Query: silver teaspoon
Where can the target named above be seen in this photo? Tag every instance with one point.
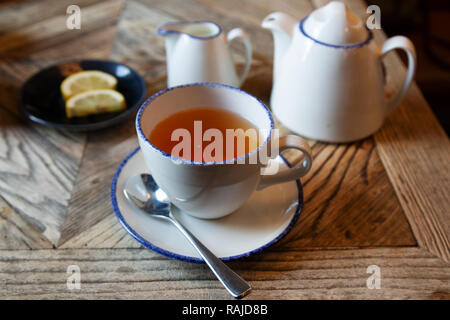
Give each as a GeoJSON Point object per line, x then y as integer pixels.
{"type": "Point", "coordinates": [143, 192]}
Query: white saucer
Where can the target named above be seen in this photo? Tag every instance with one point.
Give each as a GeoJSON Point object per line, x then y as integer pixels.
{"type": "Point", "coordinates": [264, 219]}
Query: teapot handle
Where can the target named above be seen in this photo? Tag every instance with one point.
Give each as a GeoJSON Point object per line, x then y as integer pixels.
{"type": "Point", "coordinates": [239, 33]}
{"type": "Point", "coordinates": [403, 43]}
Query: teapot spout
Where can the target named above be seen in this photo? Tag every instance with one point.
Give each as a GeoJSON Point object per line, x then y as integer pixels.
{"type": "Point", "coordinates": [282, 26]}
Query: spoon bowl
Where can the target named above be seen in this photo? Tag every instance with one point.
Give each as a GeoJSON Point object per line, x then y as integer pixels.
{"type": "Point", "coordinates": [143, 192]}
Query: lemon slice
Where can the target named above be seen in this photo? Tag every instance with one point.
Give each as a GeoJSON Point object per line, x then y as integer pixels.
{"type": "Point", "coordinates": [87, 80]}
{"type": "Point", "coordinates": [94, 102]}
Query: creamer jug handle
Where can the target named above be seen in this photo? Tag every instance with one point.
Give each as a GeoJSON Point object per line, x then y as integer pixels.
{"type": "Point", "coordinates": [241, 34]}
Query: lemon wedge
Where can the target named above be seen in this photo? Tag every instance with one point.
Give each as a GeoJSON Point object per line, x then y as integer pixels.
{"type": "Point", "coordinates": [94, 102]}
{"type": "Point", "coordinates": [87, 80]}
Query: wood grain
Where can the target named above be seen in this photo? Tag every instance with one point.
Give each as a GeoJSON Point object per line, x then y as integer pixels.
{"type": "Point", "coordinates": [90, 200]}
{"type": "Point", "coordinates": [38, 165]}
{"type": "Point", "coordinates": [406, 273]}
{"type": "Point", "coordinates": [106, 233]}
{"type": "Point", "coordinates": [349, 201]}
{"type": "Point", "coordinates": [18, 233]}
{"type": "Point", "coordinates": [37, 172]}
{"type": "Point", "coordinates": [421, 178]}
{"type": "Point", "coordinates": [18, 14]}
{"type": "Point", "coordinates": [52, 30]}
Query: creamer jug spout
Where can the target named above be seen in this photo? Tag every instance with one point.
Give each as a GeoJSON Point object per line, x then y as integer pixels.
{"type": "Point", "coordinates": [171, 32]}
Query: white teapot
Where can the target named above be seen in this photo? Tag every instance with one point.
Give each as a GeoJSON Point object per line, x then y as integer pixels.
{"type": "Point", "coordinates": [328, 80]}
{"type": "Point", "coordinates": [198, 51]}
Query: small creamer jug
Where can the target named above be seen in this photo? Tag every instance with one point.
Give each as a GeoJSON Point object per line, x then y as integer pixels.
{"type": "Point", "coordinates": [198, 51]}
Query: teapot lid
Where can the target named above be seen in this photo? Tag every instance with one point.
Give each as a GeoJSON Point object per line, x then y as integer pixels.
{"type": "Point", "coordinates": [334, 24]}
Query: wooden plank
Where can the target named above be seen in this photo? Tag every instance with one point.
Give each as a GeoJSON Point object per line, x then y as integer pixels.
{"type": "Point", "coordinates": [38, 165]}
{"type": "Point", "coordinates": [349, 201]}
{"type": "Point", "coordinates": [51, 31]}
{"type": "Point", "coordinates": [232, 14]}
{"type": "Point", "coordinates": [418, 164]}
{"type": "Point", "coordinates": [90, 202]}
{"type": "Point", "coordinates": [416, 154]}
{"type": "Point", "coordinates": [17, 233]}
{"type": "Point", "coordinates": [107, 233]}
{"type": "Point", "coordinates": [406, 273]}
{"type": "Point", "coordinates": [17, 14]}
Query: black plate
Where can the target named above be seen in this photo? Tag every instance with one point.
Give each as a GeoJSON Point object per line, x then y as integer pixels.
{"type": "Point", "coordinates": [42, 102]}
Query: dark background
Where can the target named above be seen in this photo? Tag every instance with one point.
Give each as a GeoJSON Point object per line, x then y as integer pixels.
{"type": "Point", "coordinates": [427, 24]}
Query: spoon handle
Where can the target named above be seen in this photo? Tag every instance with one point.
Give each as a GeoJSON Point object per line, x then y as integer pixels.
{"type": "Point", "coordinates": [235, 285]}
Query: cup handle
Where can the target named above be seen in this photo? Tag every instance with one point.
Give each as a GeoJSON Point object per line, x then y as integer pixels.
{"type": "Point", "coordinates": [239, 33]}
{"type": "Point", "coordinates": [289, 142]}
{"type": "Point", "coordinates": [400, 42]}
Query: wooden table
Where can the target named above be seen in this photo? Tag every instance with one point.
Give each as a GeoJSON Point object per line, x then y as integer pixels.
{"type": "Point", "coordinates": [383, 201]}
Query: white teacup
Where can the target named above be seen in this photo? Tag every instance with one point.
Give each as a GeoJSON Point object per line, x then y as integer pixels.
{"type": "Point", "coordinates": [212, 190]}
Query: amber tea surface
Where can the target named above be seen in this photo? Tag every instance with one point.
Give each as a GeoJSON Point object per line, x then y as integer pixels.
{"type": "Point", "coordinates": [197, 121]}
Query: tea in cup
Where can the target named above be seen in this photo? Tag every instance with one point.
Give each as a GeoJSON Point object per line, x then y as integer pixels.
{"type": "Point", "coordinates": [205, 144]}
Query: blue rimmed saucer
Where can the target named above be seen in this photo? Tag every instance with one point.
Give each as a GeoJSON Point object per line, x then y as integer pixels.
{"type": "Point", "coordinates": [264, 219]}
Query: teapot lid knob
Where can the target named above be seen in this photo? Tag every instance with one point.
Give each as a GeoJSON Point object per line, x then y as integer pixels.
{"type": "Point", "coordinates": [335, 24]}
